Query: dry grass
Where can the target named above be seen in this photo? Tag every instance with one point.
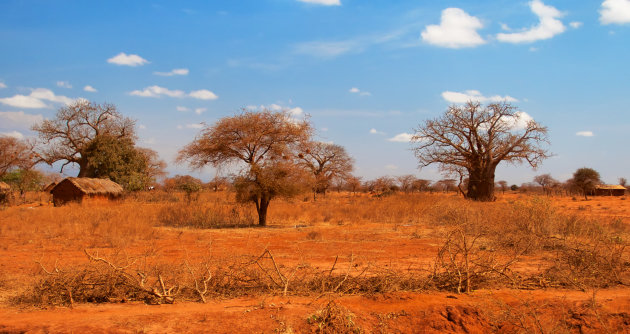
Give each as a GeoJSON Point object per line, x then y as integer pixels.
{"type": "Point", "coordinates": [341, 244]}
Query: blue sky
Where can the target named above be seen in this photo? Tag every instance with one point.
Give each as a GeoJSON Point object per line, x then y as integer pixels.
{"type": "Point", "coordinates": [367, 72]}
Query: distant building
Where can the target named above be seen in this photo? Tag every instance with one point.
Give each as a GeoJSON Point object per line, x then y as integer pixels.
{"type": "Point", "coordinates": [85, 190]}
{"type": "Point", "coordinates": [609, 190]}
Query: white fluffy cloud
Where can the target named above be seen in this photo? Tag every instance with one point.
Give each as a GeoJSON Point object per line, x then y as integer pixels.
{"type": "Point", "coordinates": [323, 2]}
{"type": "Point", "coordinates": [456, 30]}
{"type": "Point", "coordinates": [401, 138]}
{"type": "Point", "coordinates": [576, 24]}
{"type": "Point", "coordinates": [19, 119]}
{"type": "Point", "coordinates": [376, 132]}
{"type": "Point", "coordinates": [585, 134]}
{"type": "Point", "coordinates": [615, 12]}
{"type": "Point", "coordinates": [64, 84]}
{"type": "Point", "coordinates": [124, 59]}
{"type": "Point", "coordinates": [90, 89]}
{"type": "Point", "coordinates": [519, 121]}
{"type": "Point", "coordinates": [35, 100]}
{"type": "Point", "coordinates": [14, 134]}
{"type": "Point", "coordinates": [203, 94]}
{"type": "Point", "coordinates": [176, 71]}
{"type": "Point", "coordinates": [548, 26]}
{"type": "Point", "coordinates": [200, 111]}
{"type": "Point", "coordinates": [157, 91]}
{"type": "Point", "coordinates": [2, 85]}
{"type": "Point", "coordinates": [355, 90]}
{"type": "Point", "coordinates": [474, 95]}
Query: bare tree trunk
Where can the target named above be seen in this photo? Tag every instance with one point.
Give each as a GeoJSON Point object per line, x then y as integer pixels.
{"type": "Point", "coordinates": [261, 208]}
{"type": "Point", "coordinates": [481, 185]}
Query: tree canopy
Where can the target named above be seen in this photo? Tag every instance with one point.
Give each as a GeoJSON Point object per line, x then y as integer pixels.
{"type": "Point", "coordinates": [67, 137]}
{"type": "Point", "coordinates": [264, 144]}
{"type": "Point", "coordinates": [471, 140]}
{"type": "Point", "coordinates": [327, 162]}
{"type": "Point", "coordinates": [15, 154]}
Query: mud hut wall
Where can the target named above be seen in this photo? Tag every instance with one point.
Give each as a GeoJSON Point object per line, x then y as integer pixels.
{"type": "Point", "coordinates": [66, 192]}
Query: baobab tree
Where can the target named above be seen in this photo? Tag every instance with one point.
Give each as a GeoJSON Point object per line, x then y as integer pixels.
{"type": "Point", "coordinates": [473, 139]}
{"type": "Point", "coordinates": [328, 163]}
{"type": "Point", "coordinates": [265, 144]}
{"type": "Point", "coordinates": [68, 136]}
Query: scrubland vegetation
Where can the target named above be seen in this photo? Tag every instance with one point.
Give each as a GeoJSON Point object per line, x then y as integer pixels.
{"type": "Point", "coordinates": [162, 247]}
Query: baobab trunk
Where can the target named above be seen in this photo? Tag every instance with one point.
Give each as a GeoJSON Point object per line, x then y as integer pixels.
{"type": "Point", "coordinates": [481, 185]}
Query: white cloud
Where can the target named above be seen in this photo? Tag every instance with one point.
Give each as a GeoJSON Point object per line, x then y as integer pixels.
{"type": "Point", "coordinates": [157, 91]}
{"type": "Point", "coordinates": [182, 109]}
{"type": "Point", "coordinates": [615, 12]}
{"type": "Point", "coordinates": [295, 112]}
{"type": "Point", "coordinates": [576, 24]}
{"type": "Point", "coordinates": [19, 119]}
{"type": "Point", "coordinates": [127, 60]}
{"type": "Point", "coordinates": [376, 132]}
{"type": "Point", "coordinates": [456, 30]}
{"type": "Point", "coordinates": [64, 84]}
{"type": "Point", "coordinates": [200, 111]}
{"type": "Point", "coordinates": [475, 96]}
{"type": "Point", "coordinates": [323, 2]}
{"type": "Point", "coordinates": [401, 138]}
{"type": "Point", "coordinates": [327, 49]}
{"type": "Point", "coordinates": [355, 90]}
{"type": "Point", "coordinates": [176, 71]}
{"type": "Point", "coordinates": [203, 94]}
{"type": "Point", "coordinates": [548, 26]}
{"type": "Point", "coordinates": [2, 85]}
{"type": "Point", "coordinates": [585, 134]}
{"type": "Point", "coordinates": [13, 134]}
{"type": "Point", "coordinates": [195, 126]}
{"type": "Point", "coordinates": [391, 167]}
{"type": "Point", "coordinates": [90, 89]}
{"type": "Point", "coordinates": [35, 100]}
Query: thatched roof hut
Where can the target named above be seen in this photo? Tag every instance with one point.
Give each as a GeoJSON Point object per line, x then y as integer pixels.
{"type": "Point", "coordinates": [80, 189]}
{"type": "Point", "coordinates": [609, 190]}
{"type": "Point", "coordinates": [4, 188]}
{"type": "Point", "coordinates": [49, 187]}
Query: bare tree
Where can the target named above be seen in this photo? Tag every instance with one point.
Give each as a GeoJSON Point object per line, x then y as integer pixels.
{"type": "Point", "coordinates": [405, 182]}
{"type": "Point", "coordinates": [421, 185]}
{"type": "Point", "coordinates": [14, 154]}
{"type": "Point", "coordinates": [264, 144]}
{"type": "Point", "coordinates": [474, 139]}
{"type": "Point", "coordinates": [353, 183]}
{"type": "Point", "coordinates": [327, 162]}
{"type": "Point", "coordinates": [68, 135]}
{"type": "Point", "coordinates": [545, 181]}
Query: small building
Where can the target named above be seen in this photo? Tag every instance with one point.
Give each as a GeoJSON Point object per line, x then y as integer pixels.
{"type": "Point", "coordinates": [49, 187]}
{"type": "Point", "coordinates": [84, 190]}
{"type": "Point", "coordinates": [609, 190]}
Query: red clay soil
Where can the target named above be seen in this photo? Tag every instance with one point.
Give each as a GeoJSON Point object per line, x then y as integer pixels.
{"type": "Point", "coordinates": [502, 311]}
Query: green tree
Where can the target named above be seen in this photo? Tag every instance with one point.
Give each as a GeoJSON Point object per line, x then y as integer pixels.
{"type": "Point", "coordinates": [265, 144]}
{"type": "Point", "coordinates": [119, 160]}
{"type": "Point", "coordinates": [586, 179]}
{"type": "Point", "coordinates": [24, 180]}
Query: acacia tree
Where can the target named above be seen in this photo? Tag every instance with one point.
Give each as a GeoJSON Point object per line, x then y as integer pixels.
{"type": "Point", "coordinates": [14, 154]}
{"type": "Point", "coordinates": [473, 139]}
{"type": "Point", "coordinates": [264, 144]}
{"type": "Point", "coordinates": [545, 181]}
{"type": "Point", "coordinates": [67, 137]}
{"type": "Point", "coordinates": [327, 162]}
{"type": "Point", "coordinates": [585, 179]}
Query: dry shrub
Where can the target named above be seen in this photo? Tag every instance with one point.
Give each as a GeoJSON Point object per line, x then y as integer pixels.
{"type": "Point", "coordinates": [206, 215]}
{"type": "Point", "coordinates": [333, 318]}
